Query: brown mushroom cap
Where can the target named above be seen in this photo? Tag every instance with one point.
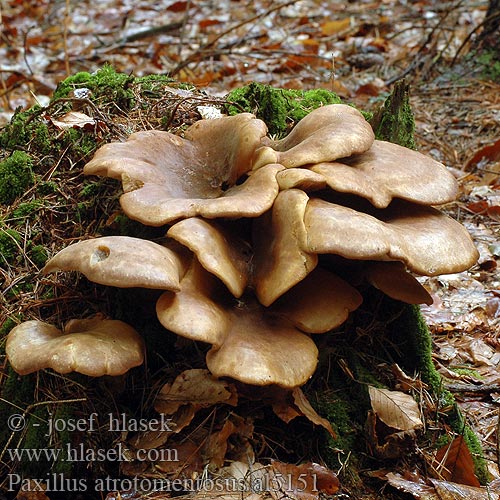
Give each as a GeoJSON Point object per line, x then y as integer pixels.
{"type": "Point", "coordinates": [166, 178]}
{"type": "Point", "coordinates": [280, 242]}
{"type": "Point", "coordinates": [217, 250]}
{"type": "Point", "coordinates": [121, 261]}
{"type": "Point", "coordinates": [326, 134]}
{"type": "Point", "coordinates": [388, 171]}
{"type": "Point", "coordinates": [384, 172]}
{"type": "Point", "coordinates": [392, 279]}
{"type": "Point", "coordinates": [93, 347]}
{"type": "Point", "coordinates": [424, 239]}
{"type": "Point", "coordinates": [195, 311]}
{"type": "Point", "coordinates": [250, 343]}
{"type": "Point", "coordinates": [261, 350]}
{"type": "Point", "coordinates": [319, 303]}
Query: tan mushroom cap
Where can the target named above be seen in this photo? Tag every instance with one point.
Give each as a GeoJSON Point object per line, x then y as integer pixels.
{"type": "Point", "coordinates": [121, 261]}
{"type": "Point", "coordinates": [388, 171]}
{"type": "Point", "coordinates": [93, 347]}
{"type": "Point", "coordinates": [319, 303]}
{"type": "Point", "coordinates": [154, 205]}
{"type": "Point", "coordinates": [326, 134]}
{"type": "Point", "coordinates": [261, 350]}
{"type": "Point", "coordinates": [250, 343]}
{"type": "Point", "coordinates": [195, 311]}
{"type": "Point", "coordinates": [217, 250]}
{"type": "Point", "coordinates": [280, 243]}
{"type": "Point", "coordinates": [384, 172]}
{"type": "Point", "coordinates": [392, 279]}
{"type": "Point", "coordinates": [424, 239]}
{"type": "Point", "coordinates": [166, 178]}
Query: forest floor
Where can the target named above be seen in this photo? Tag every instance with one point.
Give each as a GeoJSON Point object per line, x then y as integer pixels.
{"type": "Point", "coordinates": [356, 49]}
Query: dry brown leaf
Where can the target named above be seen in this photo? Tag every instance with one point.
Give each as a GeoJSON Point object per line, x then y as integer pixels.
{"type": "Point", "coordinates": [333, 27]}
{"type": "Point", "coordinates": [197, 387]}
{"type": "Point", "coordinates": [404, 382]}
{"type": "Point", "coordinates": [73, 119]}
{"type": "Point", "coordinates": [442, 490]}
{"type": "Point", "coordinates": [454, 463]}
{"type": "Point", "coordinates": [396, 409]}
{"type": "Point", "coordinates": [309, 412]}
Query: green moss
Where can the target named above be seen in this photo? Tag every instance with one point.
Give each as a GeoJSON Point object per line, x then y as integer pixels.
{"type": "Point", "coordinates": [394, 121]}
{"type": "Point", "coordinates": [10, 243]}
{"type": "Point", "coordinates": [414, 340]}
{"type": "Point", "coordinates": [81, 145]}
{"type": "Point", "coordinates": [16, 176]}
{"type": "Point", "coordinates": [45, 188]}
{"type": "Point", "coordinates": [104, 83]}
{"type": "Point", "coordinates": [490, 65]}
{"type": "Point", "coordinates": [468, 372]}
{"type": "Point", "coordinates": [278, 108]}
{"type": "Point", "coordinates": [38, 255]}
{"type": "Point", "coordinates": [42, 141]}
{"type": "Point", "coordinates": [20, 129]}
{"type": "Point", "coordinates": [26, 210]}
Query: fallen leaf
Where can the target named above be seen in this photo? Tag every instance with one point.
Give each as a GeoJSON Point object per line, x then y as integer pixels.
{"type": "Point", "coordinates": [334, 27]}
{"type": "Point", "coordinates": [396, 409]}
{"type": "Point", "coordinates": [454, 463]}
{"type": "Point", "coordinates": [309, 412]}
{"type": "Point", "coordinates": [196, 387]}
{"type": "Point", "coordinates": [73, 119]}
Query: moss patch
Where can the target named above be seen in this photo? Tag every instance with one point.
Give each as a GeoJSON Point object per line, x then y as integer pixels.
{"type": "Point", "coordinates": [280, 109]}
{"type": "Point", "coordinates": [16, 176]}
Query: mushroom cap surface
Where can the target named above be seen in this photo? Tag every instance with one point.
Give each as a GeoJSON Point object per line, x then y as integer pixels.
{"type": "Point", "coordinates": [217, 250]}
{"type": "Point", "coordinates": [282, 258]}
{"type": "Point", "coordinates": [262, 350]}
{"type": "Point", "coordinates": [319, 303]}
{"type": "Point", "coordinates": [166, 177]}
{"type": "Point", "coordinates": [384, 172]}
{"type": "Point", "coordinates": [93, 347]}
{"type": "Point", "coordinates": [325, 134]}
{"type": "Point", "coordinates": [388, 171]}
{"type": "Point", "coordinates": [121, 261]}
{"type": "Point", "coordinates": [427, 241]}
{"type": "Point", "coordinates": [392, 279]}
{"type": "Point", "coordinates": [250, 343]}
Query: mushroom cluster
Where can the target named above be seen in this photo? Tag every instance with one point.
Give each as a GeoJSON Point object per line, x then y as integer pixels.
{"type": "Point", "coordinates": [269, 242]}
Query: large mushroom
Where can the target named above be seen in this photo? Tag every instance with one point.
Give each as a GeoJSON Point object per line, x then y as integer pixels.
{"type": "Point", "coordinates": [166, 178]}
{"type": "Point", "coordinates": [257, 290]}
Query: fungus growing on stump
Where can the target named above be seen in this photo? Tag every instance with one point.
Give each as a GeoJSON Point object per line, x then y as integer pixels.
{"type": "Point", "coordinates": [252, 283]}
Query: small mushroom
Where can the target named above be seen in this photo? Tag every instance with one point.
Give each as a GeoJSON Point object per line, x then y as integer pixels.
{"type": "Point", "coordinates": [166, 178]}
{"type": "Point", "coordinates": [121, 261]}
{"type": "Point", "coordinates": [427, 241]}
{"type": "Point", "coordinates": [326, 134]}
{"type": "Point", "coordinates": [392, 279]}
{"type": "Point", "coordinates": [94, 347]}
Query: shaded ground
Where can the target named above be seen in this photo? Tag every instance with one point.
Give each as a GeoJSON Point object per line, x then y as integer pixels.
{"type": "Point", "coordinates": [357, 50]}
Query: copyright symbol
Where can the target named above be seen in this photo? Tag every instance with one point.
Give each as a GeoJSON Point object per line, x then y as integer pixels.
{"type": "Point", "coordinates": [16, 422]}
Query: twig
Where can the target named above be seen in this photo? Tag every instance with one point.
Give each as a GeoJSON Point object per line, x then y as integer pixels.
{"type": "Point", "coordinates": [156, 30]}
